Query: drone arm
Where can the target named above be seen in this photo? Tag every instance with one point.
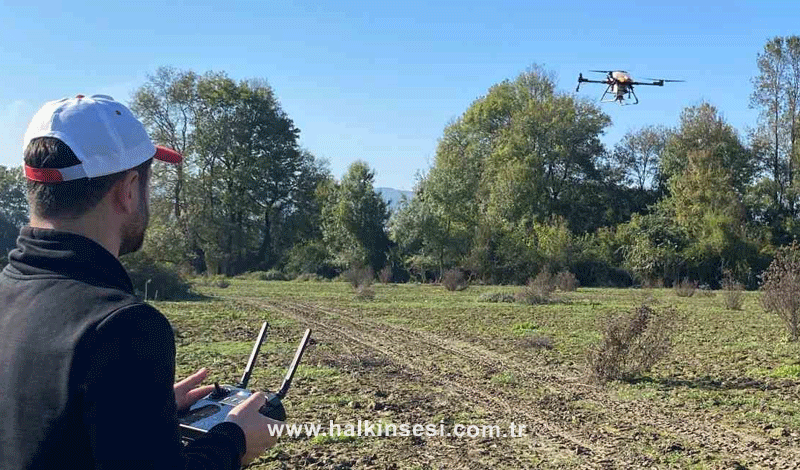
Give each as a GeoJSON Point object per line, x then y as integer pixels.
{"type": "Point", "coordinates": [658, 83]}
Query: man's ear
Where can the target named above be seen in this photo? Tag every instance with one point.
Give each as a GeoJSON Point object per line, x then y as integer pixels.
{"type": "Point", "coordinates": [126, 193]}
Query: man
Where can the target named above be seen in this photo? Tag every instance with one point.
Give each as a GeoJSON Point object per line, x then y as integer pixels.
{"type": "Point", "coordinates": [88, 370]}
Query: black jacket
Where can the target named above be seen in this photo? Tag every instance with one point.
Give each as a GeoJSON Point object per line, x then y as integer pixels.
{"type": "Point", "coordinates": [87, 369]}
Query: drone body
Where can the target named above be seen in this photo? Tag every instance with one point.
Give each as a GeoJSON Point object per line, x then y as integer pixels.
{"type": "Point", "coordinates": [619, 86]}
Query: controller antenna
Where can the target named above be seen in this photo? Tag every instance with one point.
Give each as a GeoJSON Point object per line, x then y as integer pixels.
{"type": "Point", "coordinates": [287, 381]}
{"type": "Point", "coordinates": [252, 361]}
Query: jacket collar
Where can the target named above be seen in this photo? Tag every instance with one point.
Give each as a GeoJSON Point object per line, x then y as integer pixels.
{"type": "Point", "coordinates": [47, 252]}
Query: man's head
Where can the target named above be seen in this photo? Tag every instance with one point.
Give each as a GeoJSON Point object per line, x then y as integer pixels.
{"type": "Point", "coordinates": [87, 161]}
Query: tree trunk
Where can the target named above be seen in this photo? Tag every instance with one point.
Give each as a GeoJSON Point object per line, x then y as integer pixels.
{"type": "Point", "coordinates": [178, 189]}
{"type": "Point", "coordinates": [265, 250]}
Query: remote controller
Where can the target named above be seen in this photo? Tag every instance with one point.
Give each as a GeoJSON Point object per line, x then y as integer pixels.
{"type": "Point", "coordinates": [214, 407]}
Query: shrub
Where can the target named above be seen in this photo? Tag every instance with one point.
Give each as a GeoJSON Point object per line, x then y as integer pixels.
{"type": "Point", "coordinates": [685, 288]}
{"type": "Point", "coordinates": [150, 276]}
{"type": "Point", "coordinates": [305, 277]}
{"type": "Point", "coordinates": [222, 283]}
{"type": "Point", "coordinates": [271, 275]}
{"type": "Point", "coordinates": [495, 297]}
{"type": "Point", "coordinates": [536, 342]}
{"type": "Point", "coordinates": [359, 276]}
{"type": "Point", "coordinates": [732, 292]}
{"type": "Point", "coordinates": [632, 344]}
{"type": "Point", "coordinates": [566, 281]}
{"type": "Point", "coordinates": [781, 288]}
{"type": "Point", "coordinates": [310, 257]}
{"type": "Point", "coordinates": [538, 290]}
{"type": "Point", "coordinates": [524, 327]}
{"type": "Point", "coordinates": [365, 292]}
{"type": "Point", "coordinates": [385, 274]}
{"type": "Point", "coordinates": [454, 280]}
{"type": "Point", "coordinates": [704, 290]}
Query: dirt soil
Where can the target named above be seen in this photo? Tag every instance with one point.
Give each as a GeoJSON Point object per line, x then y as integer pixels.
{"type": "Point", "coordinates": [399, 374]}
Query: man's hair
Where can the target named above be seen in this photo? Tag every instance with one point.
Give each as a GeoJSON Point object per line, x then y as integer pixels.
{"type": "Point", "coordinates": [69, 198]}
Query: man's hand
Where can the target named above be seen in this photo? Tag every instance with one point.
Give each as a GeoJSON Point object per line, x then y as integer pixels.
{"type": "Point", "coordinates": [261, 433]}
{"type": "Point", "coordinates": [186, 394]}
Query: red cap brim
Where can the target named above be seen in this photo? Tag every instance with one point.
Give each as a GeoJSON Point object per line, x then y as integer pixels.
{"type": "Point", "coordinates": [43, 175]}
{"type": "Point", "coordinates": [167, 155]}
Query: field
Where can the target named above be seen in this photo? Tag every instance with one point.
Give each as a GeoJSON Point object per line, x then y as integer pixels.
{"type": "Point", "coordinates": [726, 396]}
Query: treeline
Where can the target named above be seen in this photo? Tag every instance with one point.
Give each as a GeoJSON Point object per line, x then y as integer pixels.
{"type": "Point", "coordinates": [520, 183]}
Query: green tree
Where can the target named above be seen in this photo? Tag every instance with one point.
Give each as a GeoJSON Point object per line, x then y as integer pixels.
{"type": "Point", "coordinates": [703, 128]}
{"type": "Point", "coordinates": [776, 93]}
{"type": "Point", "coordinates": [518, 156]}
{"type": "Point", "coordinates": [354, 219]}
{"type": "Point", "coordinates": [426, 236]}
{"type": "Point", "coordinates": [13, 208]}
{"type": "Point", "coordinates": [166, 104]}
{"type": "Point", "coordinates": [241, 197]}
{"type": "Point", "coordinates": [637, 155]}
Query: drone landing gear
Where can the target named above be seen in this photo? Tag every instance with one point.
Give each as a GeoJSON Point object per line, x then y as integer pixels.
{"type": "Point", "coordinates": [622, 98]}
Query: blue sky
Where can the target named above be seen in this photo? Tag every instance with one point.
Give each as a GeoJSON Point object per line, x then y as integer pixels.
{"type": "Point", "coordinates": [379, 81]}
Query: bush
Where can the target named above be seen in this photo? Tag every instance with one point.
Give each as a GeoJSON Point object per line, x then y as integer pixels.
{"type": "Point", "coordinates": [685, 288]}
{"type": "Point", "coordinates": [536, 342]}
{"type": "Point", "coordinates": [311, 257]}
{"type": "Point", "coordinates": [538, 290]}
{"type": "Point", "coordinates": [359, 276]}
{"type": "Point", "coordinates": [271, 275]}
{"type": "Point", "coordinates": [156, 280]}
{"type": "Point", "coordinates": [305, 277]}
{"type": "Point", "coordinates": [495, 297]}
{"type": "Point", "coordinates": [732, 292]}
{"type": "Point", "coordinates": [365, 292]}
{"type": "Point", "coordinates": [566, 281]}
{"type": "Point", "coordinates": [454, 280]}
{"type": "Point", "coordinates": [781, 288]}
{"type": "Point", "coordinates": [704, 290]}
{"type": "Point", "coordinates": [385, 274]}
{"type": "Point", "coordinates": [632, 344]}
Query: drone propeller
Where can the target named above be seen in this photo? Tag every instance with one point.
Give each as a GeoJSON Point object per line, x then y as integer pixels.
{"type": "Point", "coordinates": [663, 80]}
{"type": "Point", "coordinates": [602, 71]}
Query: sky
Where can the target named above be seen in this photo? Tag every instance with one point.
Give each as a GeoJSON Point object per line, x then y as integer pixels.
{"type": "Point", "coordinates": [379, 81]}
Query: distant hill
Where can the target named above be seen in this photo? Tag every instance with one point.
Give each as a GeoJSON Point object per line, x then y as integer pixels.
{"type": "Point", "coordinates": [393, 196]}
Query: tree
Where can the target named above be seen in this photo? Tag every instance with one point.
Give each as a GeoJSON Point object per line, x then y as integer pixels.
{"type": "Point", "coordinates": [245, 186]}
{"type": "Point", "coordinates": [354, 220]}
{"type": "Point", "coordinates": [166, 105]}
{"type": "Point", "coordinates": [792, 95]}
{"type": "Point", "coordinates": [546, 150]}
{"type": "Point", "coordinates": [776, 93]}
{"type": "Point", "coordinates": [13, 196]}
{"type": "Point", "coordinates": [703, 129]}
{"type": "Point", "coordinates": [637, 155]}
{"type": "Point", "coordinates": [427, 237]}
{"type": "Point", "coordinates": [249, 162]}
{"type": "Point", "coordinates": [13, 208]}
{"type": "Point", "coordinates": [519, 156]}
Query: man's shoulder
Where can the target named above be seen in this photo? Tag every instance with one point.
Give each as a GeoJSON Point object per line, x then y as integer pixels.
{"type": "Point", "coordinates": [136, 318]}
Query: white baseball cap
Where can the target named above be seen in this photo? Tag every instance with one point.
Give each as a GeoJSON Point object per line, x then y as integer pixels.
{"type": "Point", "coordinates": [102, 133]}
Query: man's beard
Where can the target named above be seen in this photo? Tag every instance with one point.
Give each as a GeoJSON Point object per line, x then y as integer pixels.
{"type": "Point", "coordinates": [133, 232]}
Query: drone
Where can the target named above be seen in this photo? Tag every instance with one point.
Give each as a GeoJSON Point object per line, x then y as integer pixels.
{"type": "Point", "coordinates": [620, 86]}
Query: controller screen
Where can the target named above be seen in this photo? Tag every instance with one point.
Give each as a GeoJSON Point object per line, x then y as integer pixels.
{"type": "Point", "coordinates": [199, 413]}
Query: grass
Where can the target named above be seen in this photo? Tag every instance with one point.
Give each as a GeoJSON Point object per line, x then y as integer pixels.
{"type": "Point", "coordinates": [734, 366]}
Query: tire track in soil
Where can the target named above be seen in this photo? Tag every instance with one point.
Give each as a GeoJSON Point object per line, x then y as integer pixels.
{"type": "Point", "coordinates": [598, 448]}
{"type": "Point", "coordinates": [405, 352]}
{"type": "Point", "coordinates": [716, 439]}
